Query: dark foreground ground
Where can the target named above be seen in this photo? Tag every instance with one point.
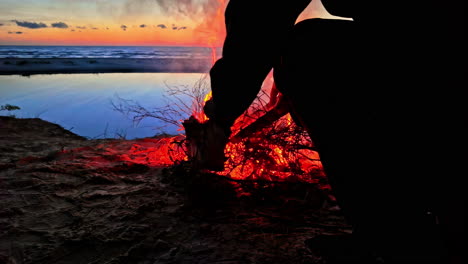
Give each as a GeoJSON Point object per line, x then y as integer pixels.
{"type": "Point", "coordinates": [66, 199]}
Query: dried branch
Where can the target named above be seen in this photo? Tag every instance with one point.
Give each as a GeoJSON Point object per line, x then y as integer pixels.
{"type": "Point", "coordinates": [176, 106]}
{"type": "Point", "coordinates": [266, 145]}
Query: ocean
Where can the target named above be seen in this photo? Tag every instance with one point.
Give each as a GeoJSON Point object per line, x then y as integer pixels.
{"type": "Point", "coordinates": [127, 52]}
{"type": "Point", "coordinates": [82, 103]}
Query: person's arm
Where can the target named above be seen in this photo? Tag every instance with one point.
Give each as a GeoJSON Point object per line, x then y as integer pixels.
{"type": "Point", "coordinates": [256, 30]}
{"type": "Point", "coordinates": [255, 33]}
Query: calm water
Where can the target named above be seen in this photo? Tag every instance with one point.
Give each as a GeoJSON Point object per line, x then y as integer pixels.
{"type": "Point", "coordinates": [82, 102]}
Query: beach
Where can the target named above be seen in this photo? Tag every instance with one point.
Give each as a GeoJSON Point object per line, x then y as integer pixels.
{"type": "Point", "coordinates": [68, 199]}
{"type": "Point", "coordinates": [29, 66]}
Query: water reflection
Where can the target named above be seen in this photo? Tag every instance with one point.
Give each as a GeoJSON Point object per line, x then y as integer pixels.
{"type": "Point", "coordinates": [82, 102]}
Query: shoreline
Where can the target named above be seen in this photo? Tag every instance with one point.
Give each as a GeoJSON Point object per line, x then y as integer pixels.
{"type": "Point", "coordinates": [31, 66]}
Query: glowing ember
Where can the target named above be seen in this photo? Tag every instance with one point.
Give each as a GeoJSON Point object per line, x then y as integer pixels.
{"type": "Point", "coordinates": [266, 143]}
{"type": "Point", "coordinates": [281, 151]}
{"type": "Point", "coordinates": [164, 151]}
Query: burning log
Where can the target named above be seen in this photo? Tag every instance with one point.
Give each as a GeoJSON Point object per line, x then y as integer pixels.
{"type": "Point", "coordinates": [266, 144]}
{"type": "Point", "coordinates": [280, 109]}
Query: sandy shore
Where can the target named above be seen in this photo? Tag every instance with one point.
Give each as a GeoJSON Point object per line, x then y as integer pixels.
{"type": "Point", "coordinates": [67, 199]}
{"type": "Point", "coordinates": [101, 65]}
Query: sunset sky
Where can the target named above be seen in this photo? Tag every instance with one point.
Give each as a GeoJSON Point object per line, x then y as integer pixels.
{"type": "Point", "coordinates": [117, 22]}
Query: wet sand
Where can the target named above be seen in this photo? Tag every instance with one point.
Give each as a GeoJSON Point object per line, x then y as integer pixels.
{"type": "Point", "coordinates": [101, 65]}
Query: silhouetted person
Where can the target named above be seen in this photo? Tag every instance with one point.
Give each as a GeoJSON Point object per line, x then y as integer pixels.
{"type": "Point", "coordinates": [379, 96]}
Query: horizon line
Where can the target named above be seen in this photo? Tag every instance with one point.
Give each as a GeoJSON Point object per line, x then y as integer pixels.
{"type": "Point", "coordinates": [97, 45]}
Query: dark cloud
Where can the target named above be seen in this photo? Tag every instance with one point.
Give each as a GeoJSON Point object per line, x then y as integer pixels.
{"type": "Point", "coordinates": [124, 27]}
{"type": "Point", "coordinates": [32, 25]}
{"type": "Point", "coordinates": [174, 27]}
{"type": "Point", "coordinates": [143, 25]}
{"type": "Point", "coordinates": [17, 32]}
{"type": "Point", "coordinates": [1, 24]}
{"type": "Point", "coordinates": [78, 27]}
{"type": "Point", "coordinates": [72, 30]}
{"type": "Point", "coordinates": [59, 25]}
{"type": "Point", "coordinates": [162, 26]}
{"type": "Point", "coordinates": [94, 28]}
{"type": "Point", "coordinates": [107, 28]}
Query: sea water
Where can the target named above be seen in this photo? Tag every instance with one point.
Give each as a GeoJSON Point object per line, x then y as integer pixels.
{"type": "Point", "coordinates": [127, 52]}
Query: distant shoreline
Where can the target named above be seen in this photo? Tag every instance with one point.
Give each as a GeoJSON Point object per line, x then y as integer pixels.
{"type": "Point", "coordinates": [31, 66]}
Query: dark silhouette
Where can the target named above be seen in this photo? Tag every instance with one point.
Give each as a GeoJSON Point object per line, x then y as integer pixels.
{"type": "Point", "coordinates": [381, 99]}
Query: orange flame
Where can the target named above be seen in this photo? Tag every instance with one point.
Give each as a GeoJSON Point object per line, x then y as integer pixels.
{"type": "Point", "coordinates": [200, 115]}
{"type": "Point", "coordinates": [272, 153]}
{"type": "Point", "coordinates": [281, 151]}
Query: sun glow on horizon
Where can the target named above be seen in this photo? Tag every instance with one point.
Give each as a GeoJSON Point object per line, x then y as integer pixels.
{"type": "Point", "coordinates": [116, 22]}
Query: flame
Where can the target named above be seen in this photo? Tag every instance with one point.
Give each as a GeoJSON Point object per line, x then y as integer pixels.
{"type": "Point", "coordinates": [196, 111]}
{"type": "Point", "coordinates": [279, 151]}
{"type": "Point", "coordinates": [272, 153]}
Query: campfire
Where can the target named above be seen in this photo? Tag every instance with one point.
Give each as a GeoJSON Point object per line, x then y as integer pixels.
{"type": "Point", "coordinates": [266, 144]}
